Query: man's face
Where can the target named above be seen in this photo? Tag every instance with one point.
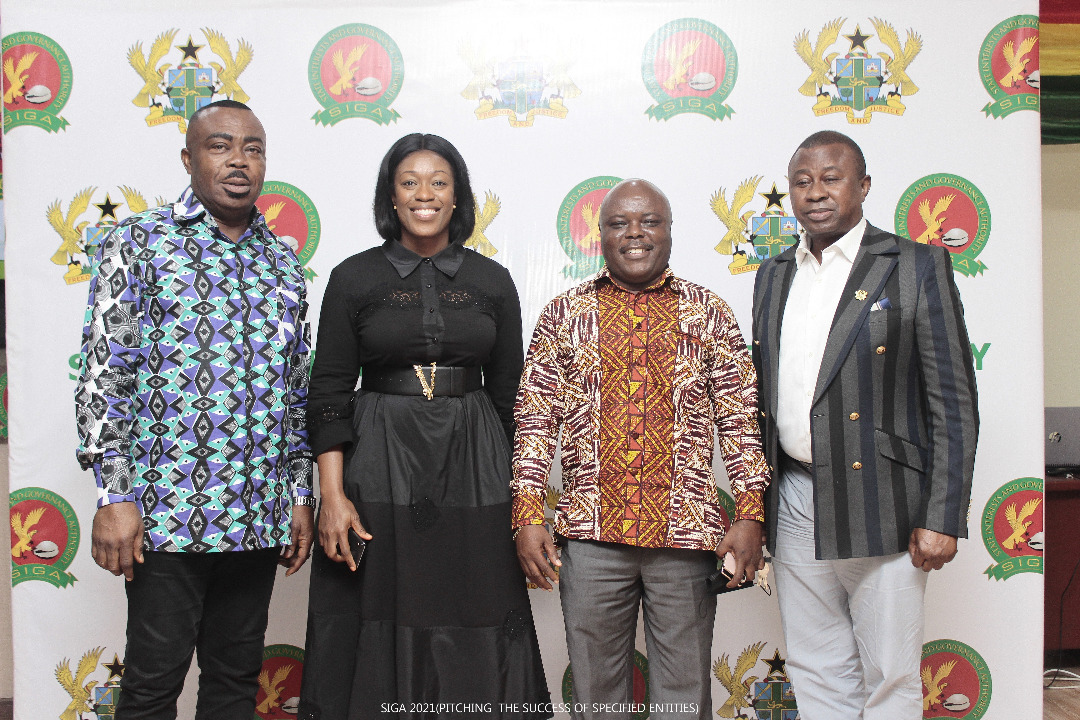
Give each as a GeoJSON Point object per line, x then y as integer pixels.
{"type": "Point", "coordinates": [226, 159]}
{"type": "Point", "coordinates": [635, 234]}
{"type": "Point", "coordinates": [827, 192]}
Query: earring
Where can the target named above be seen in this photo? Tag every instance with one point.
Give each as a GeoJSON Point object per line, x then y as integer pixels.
{"type": "Point", "coordinates": [395, 207]}
{"type": "Point", "coordinates": [454, 208]}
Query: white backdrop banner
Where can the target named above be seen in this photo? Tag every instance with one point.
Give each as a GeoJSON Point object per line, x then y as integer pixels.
{"type": "Point", "coordinates": [550, 103]}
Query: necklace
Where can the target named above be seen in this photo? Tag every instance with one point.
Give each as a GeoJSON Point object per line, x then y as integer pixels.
{"type": "Point", "coordinates": [429, 390]}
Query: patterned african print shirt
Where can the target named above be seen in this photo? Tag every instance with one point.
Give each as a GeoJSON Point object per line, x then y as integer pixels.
{"type": "Point", "coordinates": [637, 382]}
{"type": "Point", "coordinates": [193, 388]}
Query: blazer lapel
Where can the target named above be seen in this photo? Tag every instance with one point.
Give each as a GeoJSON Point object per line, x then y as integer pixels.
{"type": "Point", "coordinates": [779, 285]}
{"type": "Point", "coordinates": [874, 262]}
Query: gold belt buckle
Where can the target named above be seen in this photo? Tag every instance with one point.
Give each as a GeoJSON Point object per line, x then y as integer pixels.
{"type": "Point", "coordinates": [429, 389]}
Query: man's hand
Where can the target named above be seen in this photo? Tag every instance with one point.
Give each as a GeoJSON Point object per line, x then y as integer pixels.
{"type": "Point", "coordinates": [336, 515]}
{"type": "Point", "coordinates": [743, 540]}
{"type": "Point", "coordinates": [116, 540]}
{"type": "Point", "coordinates": [930, 550]}
{"type": "Point", "coordinates": [302, 533]}
{"type": "Point", "coordinates": [536, 552]}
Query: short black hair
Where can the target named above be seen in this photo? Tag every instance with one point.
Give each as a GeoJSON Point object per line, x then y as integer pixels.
{"type": "Point", "coordinates": [463, 219]}
{"type": "Point", "coordinates": [831, 137]}
{"type": "Point", "coordinates": [234, 104]}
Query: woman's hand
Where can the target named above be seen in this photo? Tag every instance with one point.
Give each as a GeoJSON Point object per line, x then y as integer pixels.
{"type": "Point", "coordinates": [336, 515]}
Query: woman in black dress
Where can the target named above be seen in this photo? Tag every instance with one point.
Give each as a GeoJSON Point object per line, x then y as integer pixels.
{"type": "Point", "coordinates": [434, 621]}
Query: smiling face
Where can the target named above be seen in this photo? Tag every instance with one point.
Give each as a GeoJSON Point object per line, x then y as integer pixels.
{"type": "Point", "coordinates": [424, 195]}
{"type": "Point", "coordinates": [827, 191]}
{"type": "Point", "coordinates": [635, 234]}
{"type": "Point", "coordinates": [226, 159]}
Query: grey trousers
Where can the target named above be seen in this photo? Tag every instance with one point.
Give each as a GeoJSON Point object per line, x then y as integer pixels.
{"type": "Point", "coordinates": [601, 586]}
{"type": "Point", "coordinates": [853, 628]}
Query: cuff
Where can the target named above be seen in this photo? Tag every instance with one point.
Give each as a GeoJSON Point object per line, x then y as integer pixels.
{"type": "Point", "coordinates": [750, 505]}
{"type": "Point", "coordinates": [115, 477]}
{"type": "Point", "coordinates": [528, 509]}
{"type": "Point", "coordinates": [324, 436]}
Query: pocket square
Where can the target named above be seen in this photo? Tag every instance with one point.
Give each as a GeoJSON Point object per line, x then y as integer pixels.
{"type": "Point", "coordinates": [882, 304]}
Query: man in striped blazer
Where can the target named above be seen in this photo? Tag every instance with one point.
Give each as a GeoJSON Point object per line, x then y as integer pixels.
{"type": "Point", "coordinates": [869, 420]}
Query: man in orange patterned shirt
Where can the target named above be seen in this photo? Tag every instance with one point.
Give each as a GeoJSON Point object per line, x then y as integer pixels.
{"type": "Point", "coordinates": [637, 367]}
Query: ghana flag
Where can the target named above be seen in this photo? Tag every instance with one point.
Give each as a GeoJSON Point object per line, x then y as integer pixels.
{"type": "Point", "coordinates": [1059, 65]}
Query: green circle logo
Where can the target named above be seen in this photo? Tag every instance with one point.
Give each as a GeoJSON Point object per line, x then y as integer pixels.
{"type": "Point", "coordinates": [44, 537]}
{"type": "Point", "coordinates": [947, 210]}
{"type": "Point", "coordinates": [1009, 66]}
{"type": "Point", "coordinates": [578, 225]}
{"type": "Point", "coordinates": [291, 215]}
{"type": "Point", "coordinates": [1012, 528]}
{"type": "Point", "coordinates": [689, 66]}
{"type": "Point", "coordinates": [956, 681]}
{"type": "Point", "coordinates": [37, 82]}
{"type": "Point", "coordinates": [356, 70]}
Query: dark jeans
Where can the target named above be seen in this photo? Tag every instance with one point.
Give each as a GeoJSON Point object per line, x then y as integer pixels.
{"type": "Point", "coordinates": [216, 603]}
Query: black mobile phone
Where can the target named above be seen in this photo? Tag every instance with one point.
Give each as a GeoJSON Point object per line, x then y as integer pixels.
{"type": "Point", "coordinates": [357, 545]}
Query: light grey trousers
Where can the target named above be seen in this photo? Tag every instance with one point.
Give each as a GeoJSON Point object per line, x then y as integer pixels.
{"type": "Point", "coordinates": [853, 628]}
{"type": "Point", "coordinates": [601, 586]}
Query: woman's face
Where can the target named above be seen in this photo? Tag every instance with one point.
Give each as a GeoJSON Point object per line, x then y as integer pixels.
{"type": "Point", "coordinates": [424, 197]}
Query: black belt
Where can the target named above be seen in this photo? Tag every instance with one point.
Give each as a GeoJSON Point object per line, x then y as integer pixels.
{"type": "Point", "coordinates": [444, 381]}
{"type": "Point", "coordinates": [808, 468]}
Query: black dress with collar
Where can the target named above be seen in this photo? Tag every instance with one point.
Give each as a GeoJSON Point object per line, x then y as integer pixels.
{"type": "Point", "coordinates": [438, 610]}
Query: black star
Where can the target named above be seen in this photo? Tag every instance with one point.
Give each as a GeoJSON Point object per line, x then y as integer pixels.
{"type": "Point", "coordinates": [191, 50]}
{"type": "Point", "coordinates": [115, 668]}
{"type": "Point", "coordinates": [776, 664]}
{"type": "Point", "coordinates": [107, 208]}
{"type": "Point", "coordinates": [858, 40]}
{"type": "Point", "coordinates": [774, 198]}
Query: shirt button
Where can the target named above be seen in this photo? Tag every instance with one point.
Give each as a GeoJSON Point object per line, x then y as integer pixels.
{"type": "Point", "coordinates": [429, 284]}
{"type": "Point", "coordinates": [853, 416]}
{"type": "Point", "coordinates": [880, 350]}
{"type": "Point", "coordinates": [856, 465]}
{"type": "Point", "coordinates": [431, 310]}
{"type": "Point", "coordinates": [427, 260]}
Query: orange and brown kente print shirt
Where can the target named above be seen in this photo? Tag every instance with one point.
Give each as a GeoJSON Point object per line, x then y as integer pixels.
{"type": "Point", "coordinates": [639, 384]}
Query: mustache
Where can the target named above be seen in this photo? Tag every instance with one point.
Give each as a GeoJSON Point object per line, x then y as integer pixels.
{"type": "Point", "coordinates": [238, 174]}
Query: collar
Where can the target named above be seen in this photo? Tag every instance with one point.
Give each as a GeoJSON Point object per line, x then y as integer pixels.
{"type": "Point", "coordinates": [847, 245]}
{"type": "Point", "coordinates": [404, 260]}
{"type": "Point", "coordinates": [188, 210]}
{"type": "Point", "coordinates": [666, 279]}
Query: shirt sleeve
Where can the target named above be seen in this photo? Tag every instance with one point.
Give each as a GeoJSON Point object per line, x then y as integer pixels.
{"type": "Point", "coordinates": [539, 415]}
{"type": "Point", "coordinates": [111, 352]}
{"type": "Point", "coordinates": [299, 459]}
{"type": "Point", "coordinates": [502, 372]}
{"type": "Point", "coordinates": [734, 392]}
{"type": "Point", "coordinates": [335, 370]}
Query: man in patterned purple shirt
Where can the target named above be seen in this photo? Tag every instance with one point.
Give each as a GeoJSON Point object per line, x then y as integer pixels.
{"type": "Point", "coordinates": [191, 412]}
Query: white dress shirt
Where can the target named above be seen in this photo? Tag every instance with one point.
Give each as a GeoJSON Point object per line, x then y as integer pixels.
{"type": "Point", "coordinates": [808, 316]}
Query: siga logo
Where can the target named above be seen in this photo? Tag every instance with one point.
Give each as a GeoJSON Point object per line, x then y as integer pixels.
{"type": "Point", "coordinates": [956, 681]}
{"type": "Point", "coordinates": [1012, 528]}
{"type": "Point", "coordinates": [291, 215]}
{"type": "Point", "coordinates": [578, 225]}
{"type": "Point", "coordinates": [689, 66]}
{"type": "Point", "coordinates": [858, 77]}
{"type": "Point", "coordinates": [173, 93]}
{"type": "Point", "coordinates": [751, 239]}
{"type": "Point", "coordinates": [279, 682]}
{"type": "Point", "coordinates": [950, 212]}
{"type": "Point", "coordinates": [44, 537]}
{"type": "Point", "coordinates": [356, 70]}
{"type": "Point", "coordinates": [37, 82]}
{"type": "Point", "coordinates": [1009, 66]}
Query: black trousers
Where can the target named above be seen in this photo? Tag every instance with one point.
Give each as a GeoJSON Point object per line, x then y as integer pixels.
{"type": "Point", "coordinates": [216, 603]}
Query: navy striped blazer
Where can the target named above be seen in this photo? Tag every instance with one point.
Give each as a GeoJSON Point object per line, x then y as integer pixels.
{"type": "Point", "coordinates": [894, 419]}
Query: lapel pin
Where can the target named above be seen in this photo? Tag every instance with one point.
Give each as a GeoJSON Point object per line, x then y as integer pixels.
{"type": "Point", "coordinates": [860, 294]}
